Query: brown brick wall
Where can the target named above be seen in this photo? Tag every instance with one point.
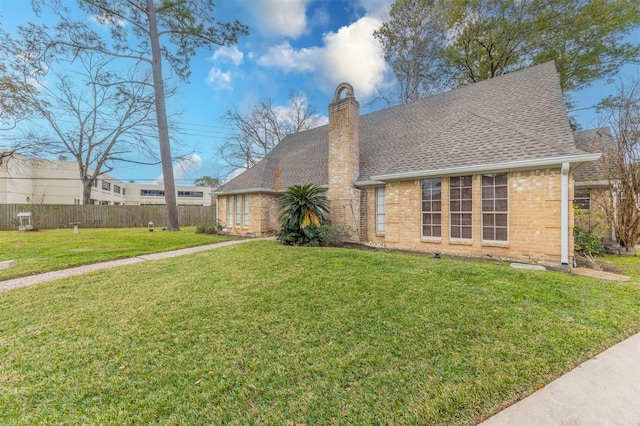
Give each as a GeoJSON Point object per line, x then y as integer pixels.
{"type": "Point", "coordinates": [534, 219]}
{"type": "Point", "coordinates": [344, 162]}
{"type": "Point", "coordinates": [263, 214]}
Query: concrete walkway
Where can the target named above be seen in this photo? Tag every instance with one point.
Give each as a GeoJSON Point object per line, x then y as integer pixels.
{"type": "Point", "coordinates": [63, 273]}
{"type": "Point", "coordinates": [604, 390]}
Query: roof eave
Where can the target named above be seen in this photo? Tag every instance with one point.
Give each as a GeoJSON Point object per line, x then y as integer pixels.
{"type": "Point", "coordinates": [495, 167]}
{"type": "Point", "coordinates": [365, 183]}
{"type": "Point", "coordinates": [257, 190]}
{"type": "Point", "coordinates": [250, 190]}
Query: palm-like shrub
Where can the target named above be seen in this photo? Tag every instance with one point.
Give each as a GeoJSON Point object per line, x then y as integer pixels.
{"type": "Point", "coordinates": [303, 210]}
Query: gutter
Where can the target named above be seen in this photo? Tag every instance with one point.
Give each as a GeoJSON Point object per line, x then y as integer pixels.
{"type": "Point", "coordinates": [250, 190]}
{"type": "Point", "coordinates": [256, 190]}
{"type": "Point", "coordinates": [564, 214]}
{"type": "Point", "coordinates": [496, 167]}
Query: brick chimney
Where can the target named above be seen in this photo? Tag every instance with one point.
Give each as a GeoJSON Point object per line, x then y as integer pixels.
{"type": "Point", "coordinates": [344, 158]}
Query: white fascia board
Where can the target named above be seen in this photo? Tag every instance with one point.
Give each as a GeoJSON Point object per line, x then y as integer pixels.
{"type": "Point", "coordinates": [249, 191]}
{"type": "Point", "coordinates": [593, 183]}
{"type": "Point", "coordinates": [363, 183]}
{"type": "Point", "coordinates": [495, 167]}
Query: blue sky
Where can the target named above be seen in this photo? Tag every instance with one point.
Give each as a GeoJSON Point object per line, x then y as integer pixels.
{"type": "Point", "coordinates": [308, 45]}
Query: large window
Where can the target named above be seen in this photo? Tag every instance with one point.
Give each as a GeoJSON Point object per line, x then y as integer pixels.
{"type": "Point", "coordinates": [238, 210]}
{"type": "Point", "coordinates": [495, 207]}
{"type": "Point", "coordinates": [116, 189]}
{"type": "Point", "coordinates": [245, 210]}
{"type": "Point", "coordinates": [230, 202]}
{"type": "Point", "coordinates": [380, 210]}
{"type": "Point", "coordinates": [432, 207]}
{"type": "Point", "coordinates": [460, 206]}
{"type": "Point", "coordinates": [106, 185]}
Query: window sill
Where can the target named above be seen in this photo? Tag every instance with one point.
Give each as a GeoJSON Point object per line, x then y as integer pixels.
{"type": "Point", "coordinates": [380, 234]}
{"type": "Point", "coordinates": [432, 240]}
{"type": "Point", "coordinates": [503, 244]}
{"type": "Point", "coordinates": [460, 242]}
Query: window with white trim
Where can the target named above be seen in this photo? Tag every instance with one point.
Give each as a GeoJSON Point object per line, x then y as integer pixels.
{"type": "Point", "coordinates": [495, 207]}
{"type": "Point", "coordinates": [230, 202]}
{"type": "Point", "coordinates": [432, 207]}
{"type": "Point", "coordinates": [245, 210]}
{"type": "Point", "coordinates": [238, 209]}
{"type": "Point", "coordinates": [380, 210]}
{"type": "Point", "coordinates": [460, 207]}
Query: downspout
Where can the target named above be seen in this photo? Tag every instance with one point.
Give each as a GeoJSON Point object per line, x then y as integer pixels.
{"type": "Point", "coordinates": [614, 195]}
{"type": "Point", "coordinates": [564, 214]}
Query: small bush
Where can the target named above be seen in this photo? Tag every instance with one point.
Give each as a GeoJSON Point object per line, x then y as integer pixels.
{"type": "Point", "coordinates": [208, 227]}
{"type": "Point", "coordinates": [334, 235]}
{"type": "Point", "coordinates": [308, 236]}
{"type": "Point", "coordinates": [587, 243]}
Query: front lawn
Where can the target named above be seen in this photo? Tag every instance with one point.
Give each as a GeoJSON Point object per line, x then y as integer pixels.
{"type": "Point", "coordinates": [260, 333]}
{"type": "Point", "coordinates": [53, 249]}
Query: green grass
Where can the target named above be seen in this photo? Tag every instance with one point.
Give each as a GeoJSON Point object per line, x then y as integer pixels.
{"type": "Point", "coordinates": [53, 249]}
{"type": "Point", "coordinates": [260, 333]}
{"type": "Point", "coordinates": [628, 265]}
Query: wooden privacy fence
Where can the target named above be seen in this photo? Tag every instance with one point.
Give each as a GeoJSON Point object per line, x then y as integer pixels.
{"type": "Point", "coordinates": [47, 216]}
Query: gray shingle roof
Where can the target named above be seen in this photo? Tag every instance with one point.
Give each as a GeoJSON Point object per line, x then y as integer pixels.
{"type": "Point", "coordinates": [515, 117]}
{"type": "Point", "coordinates": [596, 141]}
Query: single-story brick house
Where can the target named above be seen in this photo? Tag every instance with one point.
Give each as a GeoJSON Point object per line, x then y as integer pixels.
{"type": "Point", "coordinates": [483, 170]}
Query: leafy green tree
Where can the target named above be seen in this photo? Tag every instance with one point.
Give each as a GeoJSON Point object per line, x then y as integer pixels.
{"type": "Point", "coordinates": [482, 39]}
{"type": "Point", "coordinates": [145, 32]}
{"type": "Point", "coordinates": [207, 181]}
{"type": "Point", "coordinates": [413, 39]}
{"type": "Point", "coordinates": [490, 38]}
{"type": "Point", "coordinates": [303, 210]}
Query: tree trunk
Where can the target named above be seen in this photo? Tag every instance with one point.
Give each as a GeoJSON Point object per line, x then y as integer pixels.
{"type": "Point", "coordinates": [171, 207]}
{"type": "Point", "coordinates": [86, 190]}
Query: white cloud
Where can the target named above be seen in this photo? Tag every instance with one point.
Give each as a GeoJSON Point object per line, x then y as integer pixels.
{"type": "Point", "coordinates": [355, 56]}
{"type": "Point", "coordinates": [284, 56]}
{"type": "Point", "coordinates": [225, 54]}
{"type": "Point", "coordinates": [351, 54]}
{"type": "Point", "coordinates": [218, 79]}
{"type": "Point", "coordinates": [184, 166]}
{"type": "Point", "coordinates": [286, 18]}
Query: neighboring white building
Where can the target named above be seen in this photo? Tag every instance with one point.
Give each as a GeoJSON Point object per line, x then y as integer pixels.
{"type": "Point", "coordinates": [57, 182]}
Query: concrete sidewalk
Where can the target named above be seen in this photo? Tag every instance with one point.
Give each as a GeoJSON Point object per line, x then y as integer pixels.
{"type": "Point", "coordinates": [63, 273]}
{"type": "Point", "coordinates": [604, 390]}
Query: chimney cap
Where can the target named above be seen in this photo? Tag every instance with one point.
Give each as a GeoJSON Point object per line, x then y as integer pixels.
{"type": "Point", "coordinates": [341, 88]}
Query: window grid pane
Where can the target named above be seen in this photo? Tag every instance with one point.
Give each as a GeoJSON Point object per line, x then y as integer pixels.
{"type": "Point", "coordinates": [431, 207]}
{"type": "Point", "coordinates": [582, 199]}
{"type": "Point", "coordinates": [495, 207]}
{"type": "Point", "coordinates": [238, 209]}
{"type": "Point", "coordinates": [230, 202]}
{"type": "Point", "coordinates": [461, 206]}
{"type": "Point", "coordinates": [245, 206]}
{"type": "Point", "coordinates": [380, 210]}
